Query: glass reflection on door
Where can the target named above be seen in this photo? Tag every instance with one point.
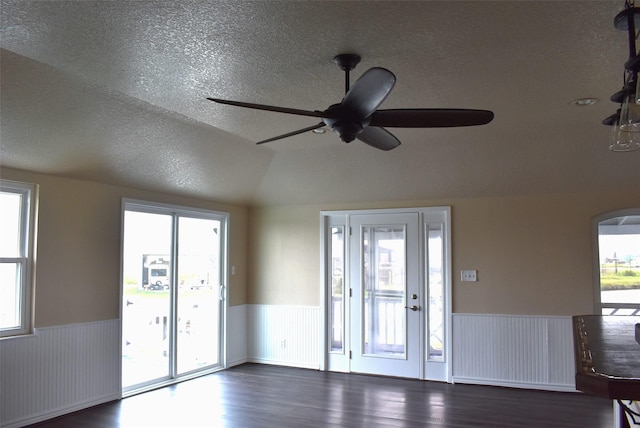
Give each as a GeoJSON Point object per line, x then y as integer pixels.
{"type": "Point", "coordinates": [337, 307]}
{"type": "Point", "coordinates": [384, 290]}
{"type": "Point", "coordinates": [146, 302]}
{"type": "Point", "coordinates": [435, 294]}
{"type": "Point", "coordinates": [198, 302]}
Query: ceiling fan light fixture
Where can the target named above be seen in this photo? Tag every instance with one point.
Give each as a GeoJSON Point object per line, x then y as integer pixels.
{"type": "Point", "coordinates": [347, 130]}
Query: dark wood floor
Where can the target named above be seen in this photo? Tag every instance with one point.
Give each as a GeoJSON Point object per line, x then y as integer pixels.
{"type": "Point", "coordinates": [254, 395]}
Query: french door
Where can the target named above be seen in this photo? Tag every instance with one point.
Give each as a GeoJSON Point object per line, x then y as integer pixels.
{"type": "Point", "coordinates": [385, 302]}
{"type": "Point", "coordinates": [173, 290]}
{"type": "Point", "coordinates": [386, 282]}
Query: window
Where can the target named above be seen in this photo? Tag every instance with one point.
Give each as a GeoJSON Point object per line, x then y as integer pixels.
{"type": "Point", "coordinates": [17, 236]}
{"type": "Point", "coordinates": [618, 263]}
{"type": "Point", "coordinates": [434, 274]}
{"type": "Point", "coordinates": [336, 251]}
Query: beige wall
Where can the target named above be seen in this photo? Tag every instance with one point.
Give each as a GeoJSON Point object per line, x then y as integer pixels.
{"type": "Point", "coordinates": [533, 253]}
{"type": "Point", "coordinates": [284, 255]}
{"type": "Point", "coordinates": [78, 254]}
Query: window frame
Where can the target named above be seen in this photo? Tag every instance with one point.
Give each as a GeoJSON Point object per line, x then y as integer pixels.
{"type": "Point", "coordinates": [597, 287]}
{"type": "Point", "coordinates": [26, 258]}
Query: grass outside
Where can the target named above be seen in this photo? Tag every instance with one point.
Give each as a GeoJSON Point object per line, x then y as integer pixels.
{"type": "Point", "coordinates": [133, 291]}
{"type": "Point", "coordinates": [153, 294]}
{"type": "Point", "coordinates": [625, 279]}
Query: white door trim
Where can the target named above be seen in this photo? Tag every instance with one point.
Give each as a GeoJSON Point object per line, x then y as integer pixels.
{"type": "Point", "coordinates": [336, 361]}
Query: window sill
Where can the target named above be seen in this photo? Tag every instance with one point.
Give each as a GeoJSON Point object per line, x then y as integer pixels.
{"type": "Point", "coordinates": [32, 333]}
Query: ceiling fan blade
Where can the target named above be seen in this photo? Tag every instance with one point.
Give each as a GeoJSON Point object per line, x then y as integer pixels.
{"type": "Point", "coordinates": [291, 134]}
{"type": "Point", "coordinates": [270, 108]}
{"type": "Point", "coordinates": [379, 138]}
{"type": "Point", "coordinates": [369, 91]}
{"type": "Point", "coordinates": [430, 118]}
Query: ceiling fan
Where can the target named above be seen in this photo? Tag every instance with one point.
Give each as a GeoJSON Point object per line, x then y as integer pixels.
{"type": "Point", "coordinates": [357, 117]}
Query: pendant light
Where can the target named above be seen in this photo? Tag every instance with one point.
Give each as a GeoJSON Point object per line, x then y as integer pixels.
{"type": "Point", "coordinates": [626, 121]}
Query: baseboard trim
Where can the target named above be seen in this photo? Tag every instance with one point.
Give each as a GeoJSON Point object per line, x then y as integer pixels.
{"type": "Point", "coordinates": [60, 412]}
{"type": "Point", "coordinates": [283, 363]}
{"type": "Point", "coordinates": [519, 385]}
{"type": "Point", "coordinates": [236, 362]}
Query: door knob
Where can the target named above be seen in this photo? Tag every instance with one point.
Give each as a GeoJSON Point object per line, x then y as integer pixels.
{"type": "Point", "coordinates": [413, 308]}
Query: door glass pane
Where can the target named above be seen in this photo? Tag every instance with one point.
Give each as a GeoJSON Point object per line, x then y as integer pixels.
{"type": "Point", "coordinates": [383, 288]}
{"type": "Point", "coordinates": [199, 280]}
{"type": "Point", "coordinates": [336, 254]}
{"type": "Point", "coordinates": [145, 297]}
{"type": "Point", "coordinates": [435, 292]}
{"type": "Point", "coordinates": [619, 250]}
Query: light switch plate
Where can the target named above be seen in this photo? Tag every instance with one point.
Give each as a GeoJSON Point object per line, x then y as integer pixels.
{"type": "Point", "coordinates": [469, 275]}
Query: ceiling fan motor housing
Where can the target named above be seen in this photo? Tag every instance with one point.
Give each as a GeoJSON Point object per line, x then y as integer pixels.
{"type": "Point", "coordinates": [347, 130]}
{"type": "Point", "coordinates": [344, 122]}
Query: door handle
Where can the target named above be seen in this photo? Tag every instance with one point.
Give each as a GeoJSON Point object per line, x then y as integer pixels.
{"type": "Point", "coordinates": [413, 308]}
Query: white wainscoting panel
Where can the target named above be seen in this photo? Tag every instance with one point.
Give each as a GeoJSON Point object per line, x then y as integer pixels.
{"type": "Point", "coordinates": [236, 335]}
{"type": "Point", "coordinates": [66, 368]}
{"type": "Point", "coordinates": [284, 335]}
{"type": "Point", "coordinates": [517, 351]}
{"type": "Point", "coordinates": [58, 370]}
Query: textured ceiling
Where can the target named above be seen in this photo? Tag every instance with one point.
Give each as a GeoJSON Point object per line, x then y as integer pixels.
{"type": "Point", "coordinates": [116, 92]}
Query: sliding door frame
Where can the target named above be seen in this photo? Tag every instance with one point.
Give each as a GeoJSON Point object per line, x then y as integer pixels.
{"type": "Point", "coordinates": [177, 211]}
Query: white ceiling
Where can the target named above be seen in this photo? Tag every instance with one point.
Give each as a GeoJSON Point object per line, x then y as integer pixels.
{"type": "Point", "coordinates": [116, 92]}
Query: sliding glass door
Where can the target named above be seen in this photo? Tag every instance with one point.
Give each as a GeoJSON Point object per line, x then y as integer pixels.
{"type": "Point", "coordinates": [198, 294]}
{"type": "Point", "coordinates": [146, 304]}
{"type": "Point", "coordinates": [173, 286]}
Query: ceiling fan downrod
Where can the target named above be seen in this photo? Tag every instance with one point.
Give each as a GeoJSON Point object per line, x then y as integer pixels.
{"type": "Point", "coordinates": [347, 62]}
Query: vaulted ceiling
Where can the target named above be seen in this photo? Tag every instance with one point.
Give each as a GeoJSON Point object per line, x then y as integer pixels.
{"type": "Point", "coordinates": [115, 92]}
